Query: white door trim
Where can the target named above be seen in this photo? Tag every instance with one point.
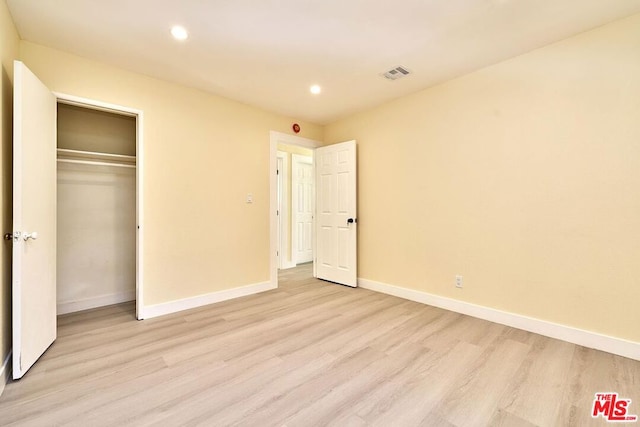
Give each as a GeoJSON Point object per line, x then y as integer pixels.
{"type": "Point", "coordinates": [274, 139]}
{"type": "Point", "coordinates": [139, 115]}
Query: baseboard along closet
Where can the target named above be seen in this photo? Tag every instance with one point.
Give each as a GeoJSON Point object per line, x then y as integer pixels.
{"type": "Point", "coordinates": [96, 215]}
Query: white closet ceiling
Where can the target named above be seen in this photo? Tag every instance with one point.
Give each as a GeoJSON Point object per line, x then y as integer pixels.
{"type": "Point", "coordinates": [267, 53]}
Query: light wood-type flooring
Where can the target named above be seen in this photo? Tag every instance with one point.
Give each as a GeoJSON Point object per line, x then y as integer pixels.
{"type": "Point", "coordinates": [311, 353]}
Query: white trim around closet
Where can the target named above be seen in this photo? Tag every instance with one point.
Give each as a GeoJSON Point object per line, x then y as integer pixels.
{"type": "Point", "coordinates": [139, 115]}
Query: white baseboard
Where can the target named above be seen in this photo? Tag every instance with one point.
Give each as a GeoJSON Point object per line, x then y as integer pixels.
{"type": "Point", "coordinates": [65, 307]}
{"type": "Point", "coordinates": [287, 264]}
{"type": "Point", "coordinates": [5, 372]}
{"type": "Point", "coordinates": [187, 303]}
{"type": "Point", "coordinates": [581, 337]}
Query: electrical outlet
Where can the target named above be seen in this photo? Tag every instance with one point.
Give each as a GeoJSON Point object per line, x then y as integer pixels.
{"type": "Point", "coordinates": [458, 281]}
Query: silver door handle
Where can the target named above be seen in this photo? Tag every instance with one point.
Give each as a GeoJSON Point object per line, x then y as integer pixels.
{"type": "Point", "coordinates": [27, 236]}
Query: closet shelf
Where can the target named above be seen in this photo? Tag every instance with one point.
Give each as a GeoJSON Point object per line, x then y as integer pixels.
{"type": "Point", "coordinates": [95, 158]}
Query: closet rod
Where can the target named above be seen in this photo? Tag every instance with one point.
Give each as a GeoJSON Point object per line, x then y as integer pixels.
{"type": "Point", "coordinates": [93, 163]}
{"type": "Point", "coordinates": [66, 151]}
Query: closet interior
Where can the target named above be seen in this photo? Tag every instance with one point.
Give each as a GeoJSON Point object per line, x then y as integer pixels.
{"type": "Point", "coordinates": [96, 211]}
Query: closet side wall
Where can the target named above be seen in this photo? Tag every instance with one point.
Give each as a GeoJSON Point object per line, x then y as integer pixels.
{"type": "Point", "coordinates": [96, 212]}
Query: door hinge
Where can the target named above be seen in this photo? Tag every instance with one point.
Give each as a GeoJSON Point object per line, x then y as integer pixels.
{"type": "Point", "coordinates": [277, 171]}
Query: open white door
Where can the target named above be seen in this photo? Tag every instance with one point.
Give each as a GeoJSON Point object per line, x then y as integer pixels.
{"type": "Point", "coordinates": [302, 208]}
{"type": "Point", "coordinates": [34, 219]}
{"type": "Point", "coordinates": [336, 234]}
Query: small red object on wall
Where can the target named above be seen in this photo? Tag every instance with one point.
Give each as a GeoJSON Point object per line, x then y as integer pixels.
{"type": "Point", "coordinates": [296, 127]}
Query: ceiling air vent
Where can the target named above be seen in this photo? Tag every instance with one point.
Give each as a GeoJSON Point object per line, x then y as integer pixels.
{"type": "Point", "coordinates": [396, 73]}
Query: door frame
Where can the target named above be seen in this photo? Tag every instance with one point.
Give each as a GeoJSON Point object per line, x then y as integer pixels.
{"type": "Point", "coordinates": [274, 139]}
{"type": "Point", "coordinates": [139, 116]}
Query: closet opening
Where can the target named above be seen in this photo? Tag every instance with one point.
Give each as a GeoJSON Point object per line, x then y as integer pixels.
{"type": "Point", "coordinates": [97, 207]}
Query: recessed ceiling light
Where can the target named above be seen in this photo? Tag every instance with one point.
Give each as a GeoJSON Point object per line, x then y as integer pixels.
{"type": "Point", "coordinates": [315, 89]}
{"type": "Point", "coordinates": [179, 33]}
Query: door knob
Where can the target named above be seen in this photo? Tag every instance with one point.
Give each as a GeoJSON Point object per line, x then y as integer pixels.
{"type": "Point", "coordinates": [27, 236]}
{"type": "Point", "coordinates": [351, 220]}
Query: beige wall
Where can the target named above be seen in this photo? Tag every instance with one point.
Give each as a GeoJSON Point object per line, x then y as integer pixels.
{"type": "Point", "coordinates": [202, 155]}
{"type": "Point", "coordinates": [524, 177]}
{"type": "Point", "coordinates": [9, 46]}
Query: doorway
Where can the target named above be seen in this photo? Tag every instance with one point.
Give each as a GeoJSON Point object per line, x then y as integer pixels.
{"type": "Point", "coordinates": [96, 208]}
{"type": "Point", "coordinates": [99, 153]}
{"type": "Point", "coordinates": [282, 149]}
{"type": "Point", "coordinates": [334, 229]}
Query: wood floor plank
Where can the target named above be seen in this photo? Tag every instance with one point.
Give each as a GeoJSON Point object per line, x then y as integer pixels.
{"type": "Point", "coordinates": [342, 398]}
{"type": "Point", "coordinates": [233, 404]}
{"type": "Point", "coordinates": [502, 418]}
{"type": "Point", "coordinates": [537, 389]}
{"type": "Point", "coordinates": [593, 371]}
{"type": "Point", "coordinates": [484, 384]}
{"type": "Point", "coordinates": [310, 353]}
{"type": "Point", "coordinates": [417, 398]}
{"type": "Point", "coordinates": [276, 410]}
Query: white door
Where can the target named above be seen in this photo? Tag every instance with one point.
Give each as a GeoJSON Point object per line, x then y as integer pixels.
{"type": "Point", "coordinates": [34, 211]}
{"type": "Point", "coordinates": [336, 223]}
{"type": "Point", "coordinates": [302, 208]}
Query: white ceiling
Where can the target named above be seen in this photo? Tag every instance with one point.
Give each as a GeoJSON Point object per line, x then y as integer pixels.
{"type": "Point", "coordinates": [267, 53]}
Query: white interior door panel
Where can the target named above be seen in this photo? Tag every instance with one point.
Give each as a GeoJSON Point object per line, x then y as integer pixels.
{"type": "Point", "coordinates": [34, 219]}
{"type": "Point", "coordinates": [336, 224]}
